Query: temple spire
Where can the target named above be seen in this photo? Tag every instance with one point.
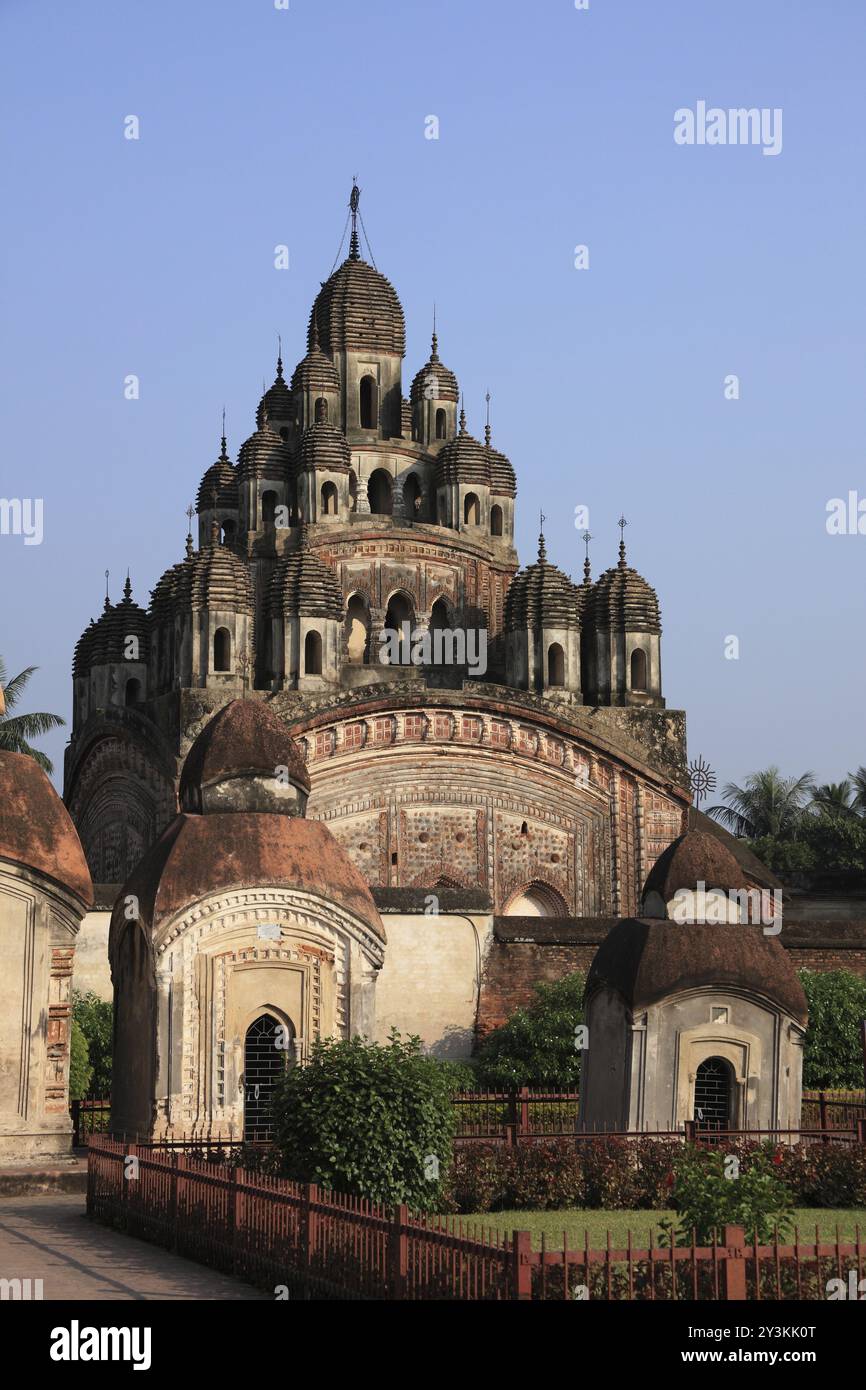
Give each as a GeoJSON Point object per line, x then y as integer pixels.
{"type": "Point", "coordinates": [223, 454]}
{"type": "Point", "coordinates": [434, 349]}
{"type": "Point", "coordinates": [462, 417]}
{"type": "Point", "coordinates": [127, 588]}
{"type": "Point", "coordinates": [622, 523]}
{"type": "Point", "coordinates": [107, 599]}
{"type": "Point", "coordinates": [190, 513]}
{"type": "Point", "coordinates": [587, 572]}
{"type": "Point", "coordinates": [542, 548]}
{"type": "Point", "coordinates": [355, 198]}
{"type": "Point", "coordinates": [279, 357]}
{"type": "Point", "coordinates": [487, 425]}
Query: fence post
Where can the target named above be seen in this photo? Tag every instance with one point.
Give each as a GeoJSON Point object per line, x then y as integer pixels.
{"type": "Point", "coordinates": [511, 1119]}
{"type": "Point", "coordinates": [734, 1267]}
{"type": "Point", "coordinates": [689, 1127]}
{"type": "Point", "coordinates": [309, 1225]}
{"type": "Point", "coordinates": [76, 1123]}
{"type": "Point", "coordinates": [861, 1130]}
{"type": "Point", "coordinates": [524, 1110]}
{"type": "Point", "coordinates": [522, 1265]}
{"type": "Point", "coordinates": [232, 1215]}
{"type": "Point", "coordinates": [398, 1252]}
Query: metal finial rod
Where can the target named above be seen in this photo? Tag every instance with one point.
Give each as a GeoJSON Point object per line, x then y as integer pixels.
{"type": "Point", "coordinates": [190, 513]}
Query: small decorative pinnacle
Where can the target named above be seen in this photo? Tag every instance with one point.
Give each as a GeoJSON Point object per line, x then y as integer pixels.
{"type": "Point", "coordinates": [542, 548]}
{"type": "Point", "coordinates": [622, 523]}
{"type": "Point", "coordinates": [586, 566]}
{"type": "Point", "coordinates": [487, 425]}
{"type": "Point", "coordinates": [315, 337]}
{"type": "Point", "coordinates": [107, 599]}
{"type": "Point", "coordinates": [434, 351]}
{"type": "Point", "coordinates": [189, 545]}
{"type": "Point", "coordinates": [127, 589]}
{"type": "Point", "coordinates": [462, 417]}
{"type": "Point", "coordinates": [223, 454]}
{"type": "Point", "coordinates": [354, 244]}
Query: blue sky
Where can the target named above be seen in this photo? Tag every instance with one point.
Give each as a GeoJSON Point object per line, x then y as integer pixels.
{"type": "Point", "coordinates": [155, 257]}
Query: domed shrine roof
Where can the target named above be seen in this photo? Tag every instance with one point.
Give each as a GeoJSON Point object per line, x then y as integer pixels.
{"type": "Point", "coordinates": [503, 480]}
{"type": "Point", "coordinates": [541, 596]}
{"type": "Point", "coordinates": [435, 381]}
{"type": "Point", "coordinates": [623, 601]}
{"type": "Point", "coordinates": [316, 371]}
{"type": "Point", "coordinates": [276, 403]}
{"type": "Point", "coordinates": [213, 577]}
{"type": "Point", "coordinates": [694, 858]}
{"type": "Point", "coordinates": [265, 455]}
{"type": "Point", "coordinates": [357, 308]}
{"type": "Point", "coordinates": [105, 640]}
{"type": "Point", "coordinates": [324, 446]}
{"type": "Point", "coordinates": [245, 737]}
{"type": "Point", "coordinates": [220, 484]}
{"type": "Point", "coordinates": [305, 586]}
{"type": "Point", "coordinates": [36, 830]}
{"type": "Point", "coordinates": [645, 961]}
{"type": "Point", "coordinates": [463, 459]}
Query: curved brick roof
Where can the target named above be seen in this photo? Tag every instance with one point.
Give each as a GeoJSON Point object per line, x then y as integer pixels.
{"type": "Point", "coordinates": [435, 381]}
{"type": "Point", "coordinates": [324, 446]}
{"type": "Point", "coordinates": [200, 855]}
{"type": "Point", "coordinates": [541, 596]}
{"type": "Point", "coordinates": [315, 372]}
{"type": "Point", "coordinates": [693, 858]}
{"type": "Point", "coordinates": [276, 403]}
{"type": "Point", "coordinates": [213, 577]}
{"type": "Point", "coordinates": [221, 478]}
{"type": "Point", "coordinates": [305, 586]}
{"type": "Point", "coordinates": [463, 459]}
{"type": "Point", "coordinates": [36, 829]}
{"type": "Point", "coordinates": [357, 307]}
{"type": "Point", "coordinates": [243, 737]}
{"type": "Point", "coordinates": [105, 640]}
{"type": "Point", "coordinates": [645, 961]}
{"type": "Point", "coordinates": [624, 601]}
{"type": "Point", "coordinates": [503, 480]}
{"type": "Point", "coordinates": [264, 455]}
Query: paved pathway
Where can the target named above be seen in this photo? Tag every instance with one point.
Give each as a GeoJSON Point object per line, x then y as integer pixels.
{"type": "Point", "coordinates": [50, 1238]}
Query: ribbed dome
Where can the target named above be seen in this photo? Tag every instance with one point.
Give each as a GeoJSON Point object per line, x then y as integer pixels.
{"type": "Point", "coordinates": [276, 403]}
{"type": "Point", "coordinates": [624, 601]}
{"type": "Point", "coordinates": [324, 446]}
{"type": "Point", "coordinates": [105, 640]}
{"type": "Point", "coordinates": [435, 381]}
{"type": "Point", "coordinates": [244, 737]}
{"type": "Point", "coordinates": [264, 455]}
{"type": "Point", "coordinates": [220, 579]}
{"type": "Point", "coordinates": [305, 586]}
{"type": "Point", "coordinates": [503, 481]}
{"type": "Point", "coordinates": [358, 308]}
{"type": "Point", "coordinates": [463, 459]}
{"type": "Point", "coordinates": [172, 589]}
{"type": "Point", "coordinates": [221, 478]}
{"type": "Point", "coordinates": [316, 371]}
{"type": "Point", "coordinates": [541, 596]}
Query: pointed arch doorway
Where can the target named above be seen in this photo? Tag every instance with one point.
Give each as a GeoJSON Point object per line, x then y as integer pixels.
{"type": "Point", "coordinates": [265, 1059]}
{"type": "Point", "coordinates": [713, 1094]}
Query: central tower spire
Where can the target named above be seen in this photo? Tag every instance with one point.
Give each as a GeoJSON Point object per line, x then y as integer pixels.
{"type": "Point", "coordinates": [354, 200]}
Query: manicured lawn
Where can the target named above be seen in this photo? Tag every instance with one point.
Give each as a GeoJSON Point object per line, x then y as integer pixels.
{"type": "Point", "coordinates": [576, 1222]}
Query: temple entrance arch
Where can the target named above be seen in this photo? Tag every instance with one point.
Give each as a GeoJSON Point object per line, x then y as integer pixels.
{"type": "Point", "coordinates": [264, 1064]}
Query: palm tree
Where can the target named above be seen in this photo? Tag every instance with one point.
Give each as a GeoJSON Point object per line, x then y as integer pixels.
{"type": "Point", "coordinates": [858, 780]}
{"type": "Point", "coordinates": [835, 798]}
{"type": "Point", "coordinates": [768, 804]}
{"type": "Point", "coordinates": [17, 730]}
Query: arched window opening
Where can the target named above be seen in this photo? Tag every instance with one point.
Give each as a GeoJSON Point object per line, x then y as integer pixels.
{"type": "Point", "coordinates": [284, 432]}
{"type": "Point", "coordinates": [441, 420]}
{"type": "Point", "coordinates": [714, 1089]}
{"type": "Point", "coordinates": [222, 649]}
{"type": "Point", "coordinates": [329, 499]}
{"type": "Point", "coordinates": [264, 1063]}
{"type": "Point", "coordinates": [380, 493]}
{"type": "Point", "coordinates": [321, 411]}
{"type": "Point", "coordinates": [555, 665]}
{"type": "Point", "coordinates": [439, 615]}
{"type": "Point", "coordinates": [228, 529]}
{"type": "Point", "coordinates": [400, 613]}
{"type": "Point", "coordinates": [269, 507]}
{"type": "Point", "coordinates": [412, 497]}
{"type": "Point", "coordinates": [536, 900]}
{"type": "Point", "coordinates": [133, 692]}
{"type": "Point", "coordinates": [312, 654]}
{"type": "Point", "coordinates": [638, 669]}
{"type": "Point", "coordinates": [358, 630]}
{"type": "Point", "coordinates": [471, 510]}
{"type": "Point", "coordinates": [496, 520]}
{"type": "Point", "coordinates": [369, 394]}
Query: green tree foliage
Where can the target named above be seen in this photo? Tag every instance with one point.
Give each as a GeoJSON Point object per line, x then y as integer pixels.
{"type": "Point", "coordinates": [711, 1189]}
{"type": "Point", "coordinates": [833, 1057]}
{"type": "Point", "coordinates": [537, 1046]}
{"type": "Point", "coordinates": [94, 1017]}
{"type": "Point", "coordinates": [369, 1119]}
{"type": "Point", "coordinates": [16, 730]}
{"type": "Point", "coordinates": [767, 804]}
{"type": "Point", "coordinates": [80, 1070]}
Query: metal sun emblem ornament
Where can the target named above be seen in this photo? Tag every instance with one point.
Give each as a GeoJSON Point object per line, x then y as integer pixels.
{"type": "Point", "coordinates": [702, 779]}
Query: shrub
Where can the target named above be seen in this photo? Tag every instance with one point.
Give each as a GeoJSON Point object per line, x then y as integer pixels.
{"type": "Point", "coordinates": [94, 1017]}
{"type": "Point", "coordinates": [368, 1119]}
{"type": "Point", "coordinates": [536, 1047]}
{"type": "Point", "coordinates": [833, 1056]}
{"type": "Point", "coordinates": [80, 1070]}
{"type": "Point", "coordinates": [709, 1192]}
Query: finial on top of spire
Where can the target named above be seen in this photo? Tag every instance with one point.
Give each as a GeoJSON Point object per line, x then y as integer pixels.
{"type": "Point", "coordinates": [127, 589]}
{"type": "Point", "coordinates": [107, 599]}
{"type": "Point", "coordinates": [487, 425]}
{"type": "Point", "coordinates": [462, 417]}
{"type": "Point", "coordinates": [434, 349]}
{"type": "Point", "coordinates": [622, 523]}
{"type": "Point", "coordinates": [586, 538]}
{"type": "Point", "coordinates": [354, 199]}
{"type": "Point", "coordinates": [223, 439]}
{"type": "Point", "coordinates": [542, 548]}
{"type": "Point", "coordinates": [279, 357]}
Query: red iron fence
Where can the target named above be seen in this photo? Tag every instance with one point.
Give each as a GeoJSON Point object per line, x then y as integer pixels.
{"type": "Point", "coordinates": [303, 1242]}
